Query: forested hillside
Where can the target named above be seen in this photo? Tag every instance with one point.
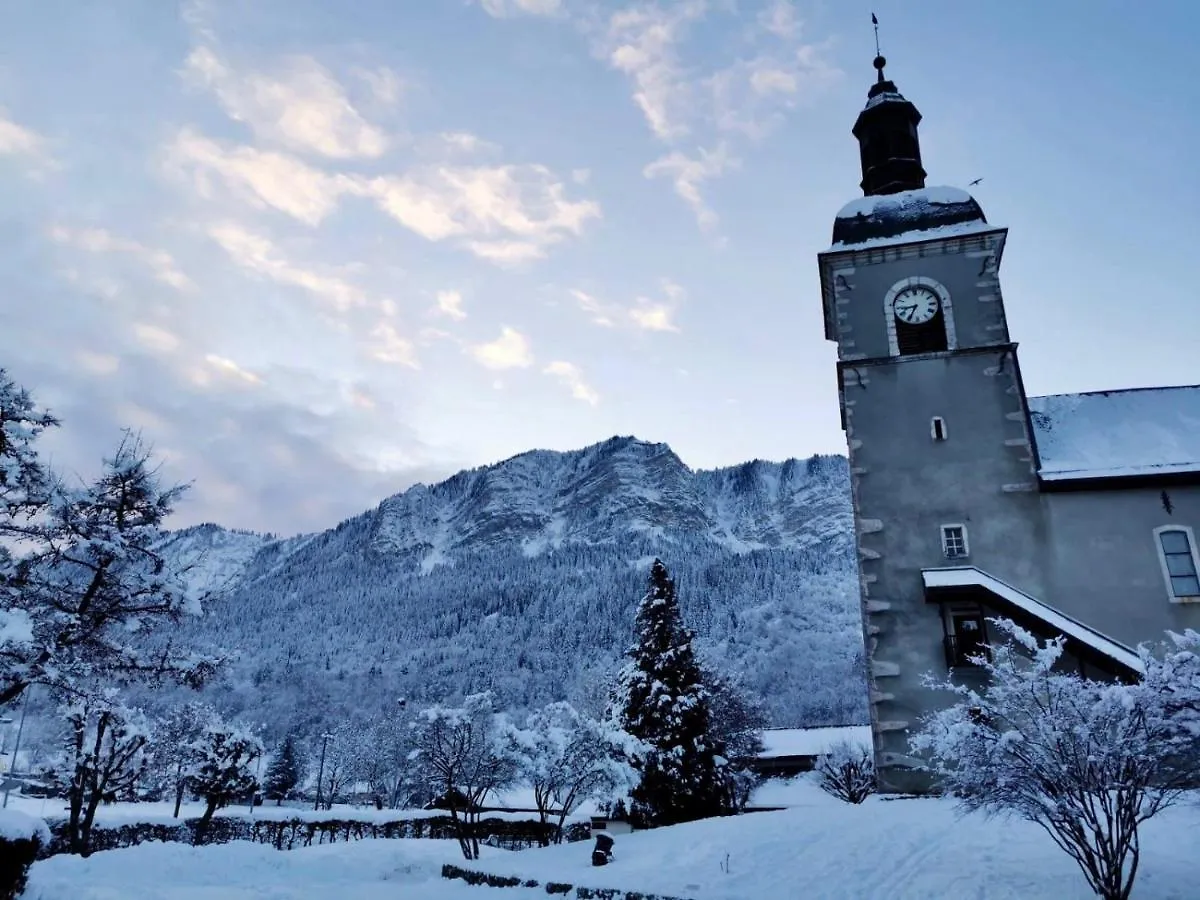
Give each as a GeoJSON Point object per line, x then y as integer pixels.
{"type": "Point", "coordinates": [523, 577]}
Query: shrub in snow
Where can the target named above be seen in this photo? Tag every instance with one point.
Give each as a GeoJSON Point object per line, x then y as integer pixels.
{"type": "Point", "coordinates": [22, 838]}
{"type": "Point", "coordinates": [221, 770]}
{"type": "Point", "coordinates": [464, 752]}
{"type": "Point", "coordinates": [661, 700]}
{"type": "Point", "coordinates": [567, 758]}
{"type": "Point", "coordinates": [1087, 761]}
{"type": "Point", "coordinates": [102, 758]}
{"type": "Point", "coordinates": [847, 772]}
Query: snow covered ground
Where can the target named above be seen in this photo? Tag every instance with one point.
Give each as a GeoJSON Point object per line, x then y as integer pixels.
{"type": "Point", "coordinates": [365, 870]}
{"type": "Point", "coordinates": [823, 848]}
{"type": "Point", "coordinates": [818, 848]}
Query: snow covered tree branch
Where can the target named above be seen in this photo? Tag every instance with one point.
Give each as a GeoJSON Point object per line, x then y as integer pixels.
{"type": "Point", "coordinates": [96, 578]}
{"type": "Point", "coordinates": [103, 758]}
{"type": "Point", "coordinates": [463, 756]}
{"type": "Point", "coordinates": [568, 758]}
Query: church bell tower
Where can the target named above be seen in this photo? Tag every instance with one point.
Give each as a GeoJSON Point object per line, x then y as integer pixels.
{"type": "Point", "coordinates": [934, 410]}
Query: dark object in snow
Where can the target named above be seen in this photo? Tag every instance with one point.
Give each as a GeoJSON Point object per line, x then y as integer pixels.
{"type": "Point", "coordinates": [602, 852]}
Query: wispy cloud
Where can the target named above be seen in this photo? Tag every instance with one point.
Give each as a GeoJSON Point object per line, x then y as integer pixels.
{"type": "Point", "coordinates": [100, 240]}
{"type": "Point", "coordinates": [773, 69]}
{"type": "Point", "coordinates": [507, 213]}
{"type": "Point", "coordinates": [449, 303]}
{"type": "Point", "coordinates": [259, 177]}
{"type": "Point", "coordinates": [501, 9]}
{"type": "Point", "coordinates": [18, 140]}
{"type": "Point", "coordinates": [642, 41]}
{"type": "Point", "coordinates": [687, 173]}
{"type": "Point", "coordinates": [231, 369]}
{"type": "Point", "coordinates": [509, 351]}
{"type": "Point", "coordinates": [645, 314]}
{"type": "Point", "coordinates": [155, 338]}
{"type": "Point", "coordinates": [572, 377]}
{"type": "Point", "coordinates": [302, 107]}
{"type": "Point", "coordinates": [389, 346]}
{"type": "Point", "coordinates": [258, 254]}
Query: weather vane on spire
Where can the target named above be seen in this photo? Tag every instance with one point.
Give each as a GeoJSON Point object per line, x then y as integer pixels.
{"type": "Point", "coordinates": [879, 62]}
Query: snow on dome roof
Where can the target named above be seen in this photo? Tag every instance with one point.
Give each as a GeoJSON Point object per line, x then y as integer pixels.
{"type": "Point", "coordinates": [869, 219]}
{"type": "Point", "coordinates": [1108, 434]}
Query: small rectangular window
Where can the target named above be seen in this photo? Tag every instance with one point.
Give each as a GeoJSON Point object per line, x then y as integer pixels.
{"type": "Point", "coordinates": [937, 428]}
{"type": "Point", "coordinates": [1179, 562]}
{"type": "Point", "coordinates": [954, 541]}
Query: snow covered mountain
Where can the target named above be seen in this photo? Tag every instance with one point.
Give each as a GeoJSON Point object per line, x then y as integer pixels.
{"type": "Point", "coordinates": [523, 576]}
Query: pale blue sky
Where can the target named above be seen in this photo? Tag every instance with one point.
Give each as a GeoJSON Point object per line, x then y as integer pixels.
{"type": "Point", "coordinates": [318, 251]}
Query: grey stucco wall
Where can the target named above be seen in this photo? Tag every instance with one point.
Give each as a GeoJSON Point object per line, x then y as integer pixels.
{"type": "Point", "coordinates": [907, 485]}
{"type": "Point", "coordinates": [1102, 559]}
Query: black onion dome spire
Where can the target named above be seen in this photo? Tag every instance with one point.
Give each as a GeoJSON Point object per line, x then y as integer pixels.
{"type": "Point", "coordinates": [887, 138]}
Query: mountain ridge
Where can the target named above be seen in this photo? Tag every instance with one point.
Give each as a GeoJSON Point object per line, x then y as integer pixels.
{"type": "Point", "coordinates": [522, 576]}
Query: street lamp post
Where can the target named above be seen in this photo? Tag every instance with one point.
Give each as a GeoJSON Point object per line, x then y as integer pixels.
{"type": "Point", "coordinates": [17, 742]}
{"type": "Point", "coordinates": [325, 738]}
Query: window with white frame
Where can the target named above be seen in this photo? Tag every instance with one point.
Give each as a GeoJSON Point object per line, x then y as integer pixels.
{"type": "Point", "coordinates": [954, 541]}
{"type": "Point", "coordinates": [1180, 563]}
{"type": "Point", "coordinates": [937, 428]}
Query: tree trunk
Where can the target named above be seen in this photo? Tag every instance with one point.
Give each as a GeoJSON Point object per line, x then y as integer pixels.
{"type": "Point", "coordinates": [210, 807]}
{"type": "Point", "coordinates": [178, 792]}
{"type": "Point", "coordinates": [75, 799]}
{"type": "Point", "coordinates": [89, 818]}
{"type": "Point", "coordinates": [460, 832]}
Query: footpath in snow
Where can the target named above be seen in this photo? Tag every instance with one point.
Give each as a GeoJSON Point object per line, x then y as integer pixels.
{"type": "Point", "coordinates": [886, 849]}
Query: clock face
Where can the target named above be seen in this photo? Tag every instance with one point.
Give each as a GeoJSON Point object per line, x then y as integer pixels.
{"type": "Point", "coordinates": [916, 305]}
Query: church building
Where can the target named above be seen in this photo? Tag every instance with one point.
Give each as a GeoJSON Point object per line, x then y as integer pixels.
{"type": "Point", "coordinates": [1072, 514]}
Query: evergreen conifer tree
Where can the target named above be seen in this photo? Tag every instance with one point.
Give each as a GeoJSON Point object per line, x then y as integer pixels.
{"type": "Point", "coordinates": [661, 699]}
{"type": "Point", "coordinates": [284, 772]}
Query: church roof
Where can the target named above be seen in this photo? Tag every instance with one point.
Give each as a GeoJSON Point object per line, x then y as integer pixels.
{"type": "Point", "coordinates": [1110, 434]}
{"type": "Point", "coordinates": [881, 219]}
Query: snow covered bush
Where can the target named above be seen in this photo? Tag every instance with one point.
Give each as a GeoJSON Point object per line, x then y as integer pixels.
{"type": "Point", "coordinates": [22, 838]}
{"type": "Point", "coordinates": [1085, 760]}
{"type": "Point", "coordinates": [661, 699]}
{"type": "Point", "coordinates": [847, 772]}
{"type": "Point", "coordinates": [102, 758]}
{"type": "Point", "coordinates": [171, 747]}
{"type": "Point", "coordinates": [567, 758]}
{"type": "Point", "coordinates": [220, 770]}
{"type": "Point", "coordinates": [463, 754]}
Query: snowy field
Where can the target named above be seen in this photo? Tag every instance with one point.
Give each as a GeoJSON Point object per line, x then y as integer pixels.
{"type": "Point", "coordinates": [886, 849]}
{"type": "Point", "coordinates": [818, 848]}
{"type": "Point", "coordinates": [364, 870]}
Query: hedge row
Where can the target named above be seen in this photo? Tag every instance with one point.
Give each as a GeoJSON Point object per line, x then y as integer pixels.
{"type": "Point", "coordinates": [288, 834]}
{"type": "Point", "coordinates": [552, 887]}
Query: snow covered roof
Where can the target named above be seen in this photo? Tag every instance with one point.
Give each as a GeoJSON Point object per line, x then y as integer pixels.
{"type": "Point", "coordinates": [1107, 434]}
{"type": "Point", "coordinates": [969, 576]}
{"type": "Point", "coordinates": [779, 742]}
{"type": "Point", "coordinates": [891, 218]}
